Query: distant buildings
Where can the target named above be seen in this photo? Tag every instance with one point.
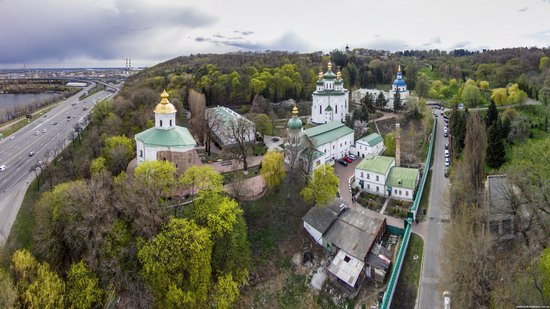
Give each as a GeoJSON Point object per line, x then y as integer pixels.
{"type": "Point", "coordinates": [166, 141]}
{"type": "Point", "coordinates": [330, 99]}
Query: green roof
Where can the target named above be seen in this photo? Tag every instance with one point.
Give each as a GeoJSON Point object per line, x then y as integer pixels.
{"type": "Point", "coordinates": [402, 177]}
{"type": "Point", "coordinates": [326, 133]}
{"type": "Point", "coordinates": [328, 109]}
{"type": "Point", "coordinates": [372, 139]}
{"type": "Point", "coordinates": [294, 123]}
{"type": "Point", "coordinates": [376, 164]}
{"type": "Point", "coordinates": [330, 92]}
{"type": "Point", "coordinates": [176, 137]}
{"type": "Point", "coordinates": [313, 152]}
{"type": "Point", "coordinates": [329, 75]}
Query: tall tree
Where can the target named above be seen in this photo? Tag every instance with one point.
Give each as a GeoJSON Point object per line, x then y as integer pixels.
{"type": "Point", "coordinates": [422, 86]}
{"type": "Point", "coordinates": [492, 114]}
{"type": "Point", "coordinates": [475, 145]}
{"type": "Point", "coordinates": [397, 105]}
{"type": "Point", "coordinates": [496, 153]}
{"type": "Point", "coordinates": [273, 170]}
{"type": "Point", "coordinates": [381, 101]}
{"type": "Point", "coordinates": [322, 188]}
{"type": "Point", "coordinates": [240, 131]}
{"type": "Point", "coordinates": [369, 101]}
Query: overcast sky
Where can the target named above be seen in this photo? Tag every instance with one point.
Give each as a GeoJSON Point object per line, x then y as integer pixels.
{"type": "Point", "coordinates": [103, 33]}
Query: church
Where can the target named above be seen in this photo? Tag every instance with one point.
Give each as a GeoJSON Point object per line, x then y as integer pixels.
{"type": "Point", "coordinates": [398, 85]}
{"type": "Point", "coordinates": [330, 98]}
{"type": "Point", "coordinates": [166, 141]}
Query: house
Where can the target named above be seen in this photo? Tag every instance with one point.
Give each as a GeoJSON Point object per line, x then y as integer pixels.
{"type": "Point", "coordinates": [500, 218]}
{"type": "Point", "coordinates": [333, 139]}
{"type": "Point", "coordinates": [354, 238]}
{"type": "Point", "coordinates": [370, 144]}
{"type": "Point", "coordinates": [372, 172]}
{"type": "Point", "coordinates": [402, 183]}
{"type": "Point", "coordinates": [228, 126]}
{"type": "Point", "coordinates": [167, 141]}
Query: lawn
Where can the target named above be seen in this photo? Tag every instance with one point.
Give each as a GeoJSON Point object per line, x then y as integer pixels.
{"type": "Point", "coordinates": [407, 286]}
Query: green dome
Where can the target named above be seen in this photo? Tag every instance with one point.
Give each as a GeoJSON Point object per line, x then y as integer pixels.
{"type": "Point", "coordinates": [294, 123]}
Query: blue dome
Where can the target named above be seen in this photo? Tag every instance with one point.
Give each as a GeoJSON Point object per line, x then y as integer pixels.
{"type": "Point", "coordinates": [399, 82]}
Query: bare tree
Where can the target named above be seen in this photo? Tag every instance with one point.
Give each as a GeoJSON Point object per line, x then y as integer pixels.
{"type": "Point", "coordinates": [239, 133]}
{"type": "Point", "coordinates": [360, 127]}
{"type": "Point", "coordinates": [213, 124]}
{"type": "Point", "coordinates": [475, 145]}
{"type": "Point", "coordinates": [238, 187]}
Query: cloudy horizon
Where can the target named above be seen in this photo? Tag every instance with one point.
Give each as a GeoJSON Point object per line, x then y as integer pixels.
{"type": "Point", "coordinates": [104, 33]}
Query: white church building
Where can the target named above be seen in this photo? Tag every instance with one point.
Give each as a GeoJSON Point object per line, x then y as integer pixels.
{"type": "Point", "coordinates": [398, 85]}
{"type": "Point", "coordinates": [330, 98]}
{"type": "Point", "coordinates": [166, 141]}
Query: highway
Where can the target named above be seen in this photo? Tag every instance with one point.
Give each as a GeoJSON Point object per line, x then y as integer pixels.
{"type": "Point", "coordinates": [52, 130]}
{"type": "Point", "coordinates": [431, 291]}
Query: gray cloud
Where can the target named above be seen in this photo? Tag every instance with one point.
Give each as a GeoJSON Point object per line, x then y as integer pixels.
{"type": "Point", "coordinates": [460, 45]}
{"type": "Point", "coordinates": [102, 29]}
{"type": "Point", "coordinates": [288, 41]}
{"type": "Point", "coordinates": [244, 32]}
{"type": "Point", "coordinates": [433, 41]}
{"type": "Point", "coordinates": [541, 35]}
{"type": "Point", "coordinates": [523, 9]}
{"type": "Point", "coordinates": [387, 44]}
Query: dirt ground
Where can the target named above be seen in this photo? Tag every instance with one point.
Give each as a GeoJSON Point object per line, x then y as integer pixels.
{"type": "Point", "coordinates": [412, 137]}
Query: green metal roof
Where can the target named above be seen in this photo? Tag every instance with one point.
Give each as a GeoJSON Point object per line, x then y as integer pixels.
{"type": "Point", "coordinates": [330, 92]}
{"type": "Point", "coordinates": [328, 109]}
{"type": "Point", "coordinates": [326, 133]}
{"type": "Point", "coordinates": [176, 137]}
{"type": "Point", "coordinates": [402, 177]}
{"type": "Point", "coordinates": [329, 75]}
{"type": "Point", "coordinates": [372, 139]}
{"type": "Point", "coordinates": [376, 164]}
{"type": "Point", "coordinates": [313, 152]}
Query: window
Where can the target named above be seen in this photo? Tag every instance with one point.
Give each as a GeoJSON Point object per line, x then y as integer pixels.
{"type": "Point", "coordinates": [347, 259]}
{"type": "Point", "coordinates": [340, 144]}
{"type": "Point", "coordinates": [377, 178]}
{"type": "Point", "coordinates": [368, 186]}
{"type": "Point", "coordinates": [368, 176]}
{"type": "Point", "coordinates": [406, 193]}
{"type": "Point", "coordinates": [400, 193]}
{"type": "Point", "coordinates": [507, 226]}
{"type": "Point", "coordinates": [320, 112]}
{"type": "Point", "coordinates": [361, 174]}
{"type": "Point", "coordinates": [141, 153]}
{"type": "Point", "coordinates": [336, 109]}
{"type": "Point", "coordinates": [394, 191]}
{"type": "Point", "coordinates": [170, 122]}
{"type": "Point", "coordinates": [377, 189]}
{"type": "Point", "coordinates": [493, 228]}
{"type": "Point", "coordinates": [346, 142]}
{"type": "Point", "coordinates": [160, 123]}
{"type": "Point", "coordinates": [332, 146]}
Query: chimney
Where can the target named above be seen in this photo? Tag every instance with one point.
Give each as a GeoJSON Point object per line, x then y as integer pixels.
{"type": "Point", "coordinates": [397, 144]}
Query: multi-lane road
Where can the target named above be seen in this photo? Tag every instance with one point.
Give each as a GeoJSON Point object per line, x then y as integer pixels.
{"type": "Point", "coordinates": [52, 129]}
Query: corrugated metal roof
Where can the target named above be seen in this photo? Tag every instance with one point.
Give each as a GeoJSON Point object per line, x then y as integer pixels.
{"type": "Point", "coordinates": [176, 137]}
{"type": "Point", "coordinates": [376, 164]}
{"type": "Point", "coordinates": [403, 177]}
{"type": "Point", "coordinates": [372, 139]}
{"type": "Point", "coordinates": [320, 218]}
{"type": "Point", "coordinates": [326, 133]}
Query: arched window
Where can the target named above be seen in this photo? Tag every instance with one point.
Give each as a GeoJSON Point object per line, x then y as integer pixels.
{"type": "Point", "coordinates": [170, 122]}
{"type": "Point", "coordinates": [141, 153]}
{"type": "Point", "coordinates": [320, 112]}
{"type": "Point", "coordinates": [160, 123]}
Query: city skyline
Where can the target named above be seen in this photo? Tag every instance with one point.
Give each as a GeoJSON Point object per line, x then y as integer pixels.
{"type": "Point", "coordinates": [104, 33]}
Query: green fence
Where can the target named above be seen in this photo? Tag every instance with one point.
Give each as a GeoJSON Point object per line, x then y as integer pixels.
{"type": "Point", "coordinates": [388, 296]}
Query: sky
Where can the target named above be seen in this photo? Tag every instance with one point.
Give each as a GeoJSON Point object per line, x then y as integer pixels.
{"type": "Point", "coordinates": [104, 33]}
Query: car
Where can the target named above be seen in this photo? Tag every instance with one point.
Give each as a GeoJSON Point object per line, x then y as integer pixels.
{"type": "Point", "coordinates": [12, 137]}
{"type": "Point", "coordinates": [2, 167]}
{"type": "Point", "coordinates": [44, 131]}
{"type": "Point", "coordinates": [73, 104]}
{"type": "Point", "coordinates": [447, 300]}
{"type": "Point", "coordinates": [447, 161]}
{"type": "Point", "coordinates": [351, 156]}
{"type": "Point", "coordinates": [53, 123]}
{"type": "Point", "coordinates": [445, 130]}
{"type": "Point", "coordinates": [344, 163]}
{"type": "Point", "coordinates": [31, 153]}
{"type": "Point", "coordinates": [349, 160]}
{"type": "Point", "coordinates": [446, 173]}
{"type": "Point", "coordinates": [446, 134]}
{"type": "Point", "coordinates": [441, 114]}
{"type": "Point", "coordinates": [447, 153]}
{"type": "Point", "coordinates": [446, 146]}
{"type": "Point", "coordinates": [37, 133]}
{"type": "Point", "coordinates": [40, 163]}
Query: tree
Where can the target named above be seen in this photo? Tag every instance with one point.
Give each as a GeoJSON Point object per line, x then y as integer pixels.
{"type": "Point", "coordinates": [471, 95]}
{"type": "Point", "coordinates": [484, 85]}
{"type": "Point", "coordinates": [475, 145]}
{"type": "Point", "coordinates": [397, 102]}
{"type": "Point", "coordinates": [263, 124]}
{"type": "Point", "coordinates": [38, 286]}
{"type": "Point", "coordinates": [496, 154]}
{"type": "Point", "coordinates": [322, 188]}
{"type": "Point", "coordinates": [389, 142]}
{"type": "Point", "coordinates": [118, 151]}
{"type": "Point", "coordinates": [544, 95]}
{"type": "Point", "coordinates": [469, 277]}
{"type": "Point", "coordinates": [99, 164]}
{"type": "Point", "coordinates": [83, 290]}
{"type": "Point", "coordinates": [381, 101]}
{"type": "Point", "coordinates": [516, 95]}
{"type": "Point", "coordinates": [360, 128]}
{"type": "Point", "coordinates": [273, 170]}
{"type": "Point", "coordinates": [157, 176]}
{"type": "Point", "coordinates": [422, 86]}
{"type": "Point", "coordinates": [8, 293]}
{"type": "Point", "coordinates": [200, 179]}
{"type": "Point", "coordinates": [492, 114]}
{"type": "Point", "coordinates": [178, 278]}
{"type": "Point", "coordinates": [240, 131]}
{"type": "Point", "coordinates": [499, 96]}
{"type": "Point", "coordinates": [457, 126]}
{"type": "Point", "coordinates": [369, 101]}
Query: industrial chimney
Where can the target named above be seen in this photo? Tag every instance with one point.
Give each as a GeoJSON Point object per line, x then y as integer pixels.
{"type": "Point", "coordinates": [397, 144]}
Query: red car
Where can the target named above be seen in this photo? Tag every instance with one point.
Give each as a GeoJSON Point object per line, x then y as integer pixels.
{"type": "Point", "coordinates": [347, 159]}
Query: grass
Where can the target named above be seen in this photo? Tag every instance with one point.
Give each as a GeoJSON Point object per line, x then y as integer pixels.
{"type": "Point", "coordinates": [19, 123]}
{"type": "Point", "coordinates": [425, 200]}
{"type": "Point", "coordinates": [407, 286]}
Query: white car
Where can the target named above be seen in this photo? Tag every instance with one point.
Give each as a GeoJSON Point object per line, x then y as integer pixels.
{"type": "Point", "coordinates": [12, 137]}
{"type": "Point", "coordinates": [447, 300]}
{"type": "Point", "coordinates": [447, 162]}
{"type": "Point", "coordinates": [447, 153]}
{"type": "Point", "coordinates": [2, 168]}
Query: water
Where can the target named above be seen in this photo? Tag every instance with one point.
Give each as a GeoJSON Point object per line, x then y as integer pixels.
{"type": "Point", "coordinates": [8, 100]}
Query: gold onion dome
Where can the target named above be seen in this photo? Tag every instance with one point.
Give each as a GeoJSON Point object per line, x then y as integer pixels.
{"type": "Point", "coordinates": [294, 123]}
{"type": "Point", "coordinates": [164, 107]}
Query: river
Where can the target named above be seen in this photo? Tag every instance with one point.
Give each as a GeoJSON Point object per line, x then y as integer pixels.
{"type": "Point", "coordinates": [8, 100]}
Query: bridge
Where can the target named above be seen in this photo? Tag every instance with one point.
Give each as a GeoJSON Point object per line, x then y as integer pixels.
{"type": "Point", "coordinates": [56, 80]}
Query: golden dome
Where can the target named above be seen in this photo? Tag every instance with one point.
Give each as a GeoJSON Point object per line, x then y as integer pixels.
{"type": "Point", "coordinates": [164, 107]}
{"type": "Point", "coordinates": [320, 75]}
{"type": "Point", "coordinates": [295, 111]}
{"type": "Point", "coordinates": [329, 66]}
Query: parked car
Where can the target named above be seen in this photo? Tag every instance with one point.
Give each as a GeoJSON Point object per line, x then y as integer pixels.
{"type": "Point", "coordinates": [351, 156]}
{"type": "Point", "coordinates": [446, 134]}
{"type": "Point", "coordinates": [344, 163]}
{"type": "Point", "coordinates": [31, 153]}
{"type": "Point", "coordinates": [349, 160]}
{"type": "Point", "coordinates": [447, 153]}
{"type": "Point", "coordinates": [447, 161]}
{"type": "Point", "coordinates": [2, 168]}
{"type": "Point", "coordinates": [446, 300]}
{"type": "Point", "coordinates": [446, 146]}
{"type": "Point", "coordinates": [446, 173]}
{"type": "Point", "coordinates": [44, 131]}
{"type": "Point", "coordinates": [12, 137]}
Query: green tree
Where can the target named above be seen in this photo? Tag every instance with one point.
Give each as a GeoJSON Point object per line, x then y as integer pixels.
{"type": "Point", "coordinates": [8, 292]}
{"type": "Point", "coordinates": [263, 124]}
{"type": "Point", "coordinates": [381, 101]}
{"type": "Point", "coordinates": [83, 290]}
{"type": "Point", "coordinates": [273, 170]}
{"type": "Point", "coordinates": [496, 153]}
{"type": "Point", "coordinates": [369, 101]}
{"type": "Point", "coordinates": [397, 105]}
{"type": "Point", "coordinates": [516, 95]}
{"type": "Point", "coordinates": [471, 95]}
{"type": "Point", "coordinates": [226, 292]}
{"type": "Point", "coordinates": [543, 63]}
{"type": "Point", "coordinates": [492, 114]}
{"type": "Point", "coordinates": [500, 96]}
{"type": "Point", "coordinates": [544, 95]}
{"type": "Point", "coordinates": [176, 264]}
{"type": "Point", "coordinates": [389, 142]}
{"type": "Point", "coordinates": [158, 176]}
{"type": "Point", "coordinates": [322, 188]}
{"type": "Point", "coordinates": [422, 86]}
{"type": "Point", "coordinates": [200, 179]}
{"type": "Point", "coordinates": [483, 85]}
{"type": "Point", "coordinates": [457, 127]}
{"type": "Point", "coordinates": [99, 164]}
